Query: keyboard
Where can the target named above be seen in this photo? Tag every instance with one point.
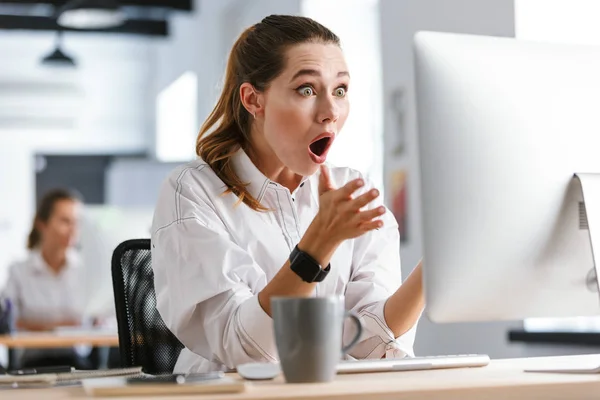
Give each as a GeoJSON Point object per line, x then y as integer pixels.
{"type": "Point", "coordinates": [413, 364]}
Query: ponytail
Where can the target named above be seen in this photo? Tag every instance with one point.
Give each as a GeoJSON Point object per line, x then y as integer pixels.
{"type": "Point", "coordinates": [34, 238]}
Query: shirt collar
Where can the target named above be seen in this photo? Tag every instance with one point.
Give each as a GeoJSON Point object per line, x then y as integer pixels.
{"type": "Point", "coordinates": [40, 265]}
{"type": "Point", "coordinates": [248, 173]}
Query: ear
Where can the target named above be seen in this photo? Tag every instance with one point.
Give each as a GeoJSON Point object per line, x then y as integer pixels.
{"type": "Point", "coordinates": [40, 226]}
{"type": "Point", "coordinates": [252, 99]}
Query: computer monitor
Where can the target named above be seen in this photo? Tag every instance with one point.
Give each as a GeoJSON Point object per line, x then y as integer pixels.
{"type": "Point", "coordinates": [503, 126]}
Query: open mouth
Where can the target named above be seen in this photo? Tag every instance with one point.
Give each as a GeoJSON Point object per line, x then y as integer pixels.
{"type": "Point", "coordinates": [320, 146]}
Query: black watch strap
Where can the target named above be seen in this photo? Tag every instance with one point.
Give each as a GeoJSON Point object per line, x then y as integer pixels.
{"type": "Point", "coordinates": [307, 267]}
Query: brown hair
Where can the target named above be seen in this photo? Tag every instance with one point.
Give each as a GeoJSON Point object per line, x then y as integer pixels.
{"type": "Point", "coordinates": [257, 57]}
{"type": "Point", "coordinates": [44, 212]}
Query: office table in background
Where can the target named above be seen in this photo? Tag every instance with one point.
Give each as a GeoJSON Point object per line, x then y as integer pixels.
{"type": "Point", "coordinates": [502, 379]}
{"type": "Point", "coordinates": [58, 340]}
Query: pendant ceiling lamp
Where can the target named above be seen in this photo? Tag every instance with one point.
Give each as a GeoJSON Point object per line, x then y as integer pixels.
{"type": "Point", "coordinates": [91, 14]}
{"type": "Point", "coordinates": [58, 58]}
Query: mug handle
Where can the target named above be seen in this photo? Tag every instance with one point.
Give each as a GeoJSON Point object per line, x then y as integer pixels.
{"type": "Point", "coordinates": [359, 330]}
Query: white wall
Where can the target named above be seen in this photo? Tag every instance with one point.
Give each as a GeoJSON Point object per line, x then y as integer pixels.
{"type": "Point", "coordinates": [241, 14]}
{"type": "Point", "coordinates": [400, 19]}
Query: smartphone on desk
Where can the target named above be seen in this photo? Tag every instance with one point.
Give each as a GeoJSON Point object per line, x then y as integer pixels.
{"type": "Point", "coordinates": [176, 378]}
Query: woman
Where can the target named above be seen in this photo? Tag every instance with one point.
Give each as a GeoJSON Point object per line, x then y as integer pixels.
{"type": "Point", "coordinates": [227, 225]}
{"type": "Point", "coordinates": [46, 288]}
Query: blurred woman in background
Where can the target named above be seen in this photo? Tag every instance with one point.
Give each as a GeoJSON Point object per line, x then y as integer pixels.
{"type": "Point", "coordinates": [46, 289]}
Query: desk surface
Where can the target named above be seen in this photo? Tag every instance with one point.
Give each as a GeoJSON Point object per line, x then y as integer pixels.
{"type": "Point", "coordinates": [501, 379]}
{"type": "Point", "coordinates": [56, 340]}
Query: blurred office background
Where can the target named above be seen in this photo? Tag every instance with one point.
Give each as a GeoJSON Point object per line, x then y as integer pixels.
{"type": "Point", "coordinates": [125, 106]}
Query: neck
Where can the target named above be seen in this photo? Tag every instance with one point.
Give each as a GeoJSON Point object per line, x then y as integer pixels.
{"type": "Point", "coordinates": [56, 258]}
{"type": "Point", "coordinates": [266, 161]}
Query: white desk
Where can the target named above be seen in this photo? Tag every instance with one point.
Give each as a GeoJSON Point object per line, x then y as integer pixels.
{"type": "Point", "coordinates": [502, 379]}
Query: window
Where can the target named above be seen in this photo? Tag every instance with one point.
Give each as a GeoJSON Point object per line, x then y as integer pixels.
{"type": "Point", "coordinates": [558, 21]}
{"type": "Point", "coordinates": [176, 120]}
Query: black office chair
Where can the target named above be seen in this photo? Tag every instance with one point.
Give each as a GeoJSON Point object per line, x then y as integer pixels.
{"type": "Point", "coordinates": [144, 339]}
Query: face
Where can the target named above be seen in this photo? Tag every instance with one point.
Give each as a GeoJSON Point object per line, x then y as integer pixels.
{"type": "Point", "coordinates": [61, 228]}
{"type": "Point", "coordinates": [306, 106]}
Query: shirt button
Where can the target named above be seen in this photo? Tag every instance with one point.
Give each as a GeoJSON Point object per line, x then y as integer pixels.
{"type": "Point", "coordinates": [302, 184]}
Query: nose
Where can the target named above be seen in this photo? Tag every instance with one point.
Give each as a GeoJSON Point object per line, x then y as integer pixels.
{"type": "Point", "coordinates": [328, 110]}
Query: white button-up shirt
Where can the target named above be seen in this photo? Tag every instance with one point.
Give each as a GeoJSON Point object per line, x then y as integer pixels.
{"type": "Point", "coordinates": [41, 295]}
{"type": "Point", "coordinates": [212, 256]}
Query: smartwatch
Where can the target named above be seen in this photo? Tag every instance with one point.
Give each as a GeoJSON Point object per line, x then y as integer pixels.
{"type": "Point", "coordinates": [307, 267]}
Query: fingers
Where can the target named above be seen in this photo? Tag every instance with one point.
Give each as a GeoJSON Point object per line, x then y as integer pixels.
{"type": "Point", "coordinates": [346, 191]}
{"type": "Point", "coordinates": [325, 183]}
{"type": "Point", "coordinates": [368, 215]}
{"type": "Point", "coordinates": [363, 199]}
{"type": "Point", "coordinates": [369, 226]}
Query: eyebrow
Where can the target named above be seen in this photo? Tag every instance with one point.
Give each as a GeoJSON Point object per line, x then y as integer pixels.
{"type": "Point", "coordinates": [314, 72]}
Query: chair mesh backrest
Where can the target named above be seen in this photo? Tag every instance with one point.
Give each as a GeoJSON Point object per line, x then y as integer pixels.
{"type": "Point", "coordinates": [144, 339]}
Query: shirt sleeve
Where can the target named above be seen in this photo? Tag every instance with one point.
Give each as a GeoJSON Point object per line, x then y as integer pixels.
{"type": "Point", "coordinates": [376, 275]}
{"type": "Point", "coordinates": [207, 286]}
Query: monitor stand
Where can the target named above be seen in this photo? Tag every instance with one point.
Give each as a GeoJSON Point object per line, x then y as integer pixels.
{"type": "Point", "coordinates": [590, 190]}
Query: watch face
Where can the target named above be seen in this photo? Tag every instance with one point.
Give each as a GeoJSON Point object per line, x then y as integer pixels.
{"type": "Point", "coordinates": [306, 268]}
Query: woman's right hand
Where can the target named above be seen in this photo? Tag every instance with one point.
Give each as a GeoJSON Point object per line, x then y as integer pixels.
{"type": "Point", "coordinates": [340, 217]}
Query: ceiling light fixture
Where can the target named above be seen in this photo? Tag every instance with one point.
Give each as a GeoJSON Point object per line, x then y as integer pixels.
{"type": "Point", "coordinates": [91, 14]}
{"type": "Point", "coordinates": [58, 58]}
